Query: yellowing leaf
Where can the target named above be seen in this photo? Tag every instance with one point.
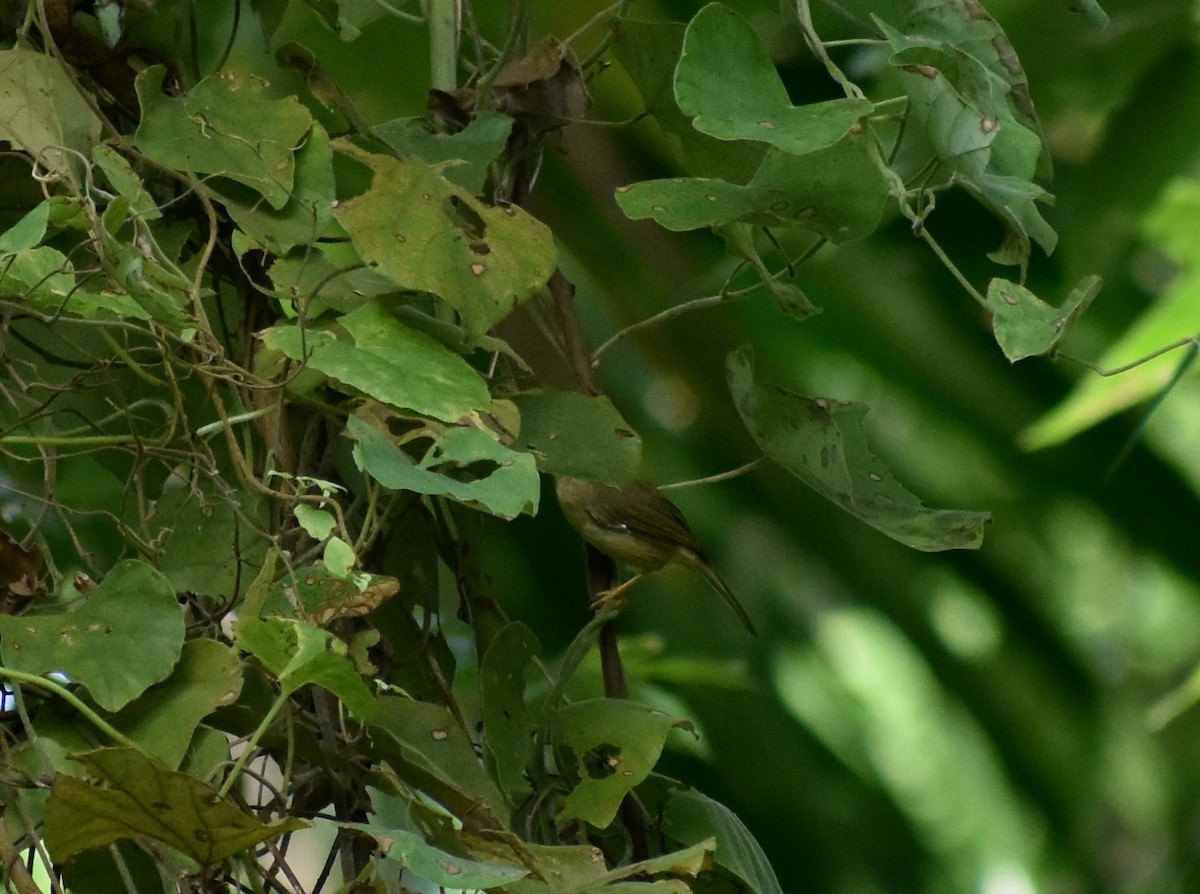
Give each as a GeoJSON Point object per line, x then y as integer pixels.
{"type": "Point", "coordinates": [429, 235]}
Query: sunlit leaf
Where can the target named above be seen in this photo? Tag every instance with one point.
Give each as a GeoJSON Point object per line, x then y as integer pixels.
{"type": "Point", "coordinates": [139, 797]}
{"type": "Point", "coordinates": [26, 232]}
{"type": "Point", "coordinates": [432, 236]}
{"type": "Point", "coordinates": [123, 638]}
{"type": "Point", "coordinates": [317, 523]}
{"type": "Point", "coordinates": [823, 443]}
{"type": "Point", "coordinates": [1174, 316]}
{"type": "Point", "coordinates": [42, 112]}
{"type": "Point", "coordinates": [389, 361]}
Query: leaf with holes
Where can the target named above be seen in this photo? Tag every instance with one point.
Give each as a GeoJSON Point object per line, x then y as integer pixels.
{"type": "Point", "coordinates": [615, 745]}
{"type": "Point", "coordinates": [429, 235]}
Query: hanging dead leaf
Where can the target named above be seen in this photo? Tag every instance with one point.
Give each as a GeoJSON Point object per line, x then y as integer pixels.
{"type": "Point", "coordinates": [545, 86]}
{"type": "Point", "coordinates": [20, 575]}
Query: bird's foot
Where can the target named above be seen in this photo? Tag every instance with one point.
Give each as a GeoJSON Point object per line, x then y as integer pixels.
{"type": "Point", "coordinates": [614, 596]}
{"type": "Point", "coordinates": [608, 598]}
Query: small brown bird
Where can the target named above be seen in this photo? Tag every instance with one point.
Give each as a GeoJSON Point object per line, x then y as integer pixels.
{"type": "Point", "coordinates": [640, 528]}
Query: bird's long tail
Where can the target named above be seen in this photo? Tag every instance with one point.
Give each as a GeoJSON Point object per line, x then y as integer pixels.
{"type": "Point", "coordinates": [719, 585]}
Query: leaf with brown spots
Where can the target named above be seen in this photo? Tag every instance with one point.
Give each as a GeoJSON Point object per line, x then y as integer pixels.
{"type": "Point", "coordinates": [823, 443]}
{"type": "Point", "coordinates": [428, 235]}
{"type": "Point", "coordinates": [20, 575]}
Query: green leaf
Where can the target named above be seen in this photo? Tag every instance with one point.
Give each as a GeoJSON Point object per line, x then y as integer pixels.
{"type": "Point", "coordinates": [462, 157]}
{"type": "Point", "coordinates": [326, 275]}
{"type": "Point", "coordinates": [986, 67]}
{"type": "Point", "coordinates": [389, 361]}
{"type": "Point", "coordinates": [161, 292]}
{"type": "Point", "coordinates": [122, 639]}
{"type": "Point", "coordinates": [41, 275]}
{"type": "Point", "coordinates": [426, 748]}
{"type": "Point", "coordinates": [471, 467]}
{"type": "Point", "coordinates": [43, 114]}
{"type": "Point", "coordinates": [203, 540]}
{"type": "Point", "coordinates": [970, 98]}
{"type": "Point", "coordinates": [26, 232]}
{"type": "Point", "coordinates": [163, 720]}
{"type": "Point", "coordinates": [224, 126]}
{"type": "Point", "coordinates": [506, 721]}
{"type": "Point", "coordinates": [438, 866]}
{"type": "Point", "coordinates": [429, 235]}
{"type": "Point", "coordinates": [338, 557]}
{"type": "Point", "coordinates": [142, 798]}
{"type": "Point", "coordinates": [822, 442]}
{"type": "Point", "coordinates": [298, 653]}
{"type": "Point", "coordinates": [126, 182]}
{"type": "Point", "coordinates": [317, 523]}
{"type": "Point", "coordinates": [837, 192]}
{"type": "Point", "coordinates": [308, 214]}
{"type": "Point", "coordinates": [692, 817]}
{"type": "Point", "coordinates": [578, 435]}
{"type": "Point", "coordinates": [615, 744]}
{"type": "Point", "coordinates": [1026, 326]}
{"type": "Point", "coordinates": [649, 52]}
{"type": "Point", "coordinates": [728, 85]}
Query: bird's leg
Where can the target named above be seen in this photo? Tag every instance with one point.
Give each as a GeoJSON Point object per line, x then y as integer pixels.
{"type": "Point", "coordinates": [615, 594]}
